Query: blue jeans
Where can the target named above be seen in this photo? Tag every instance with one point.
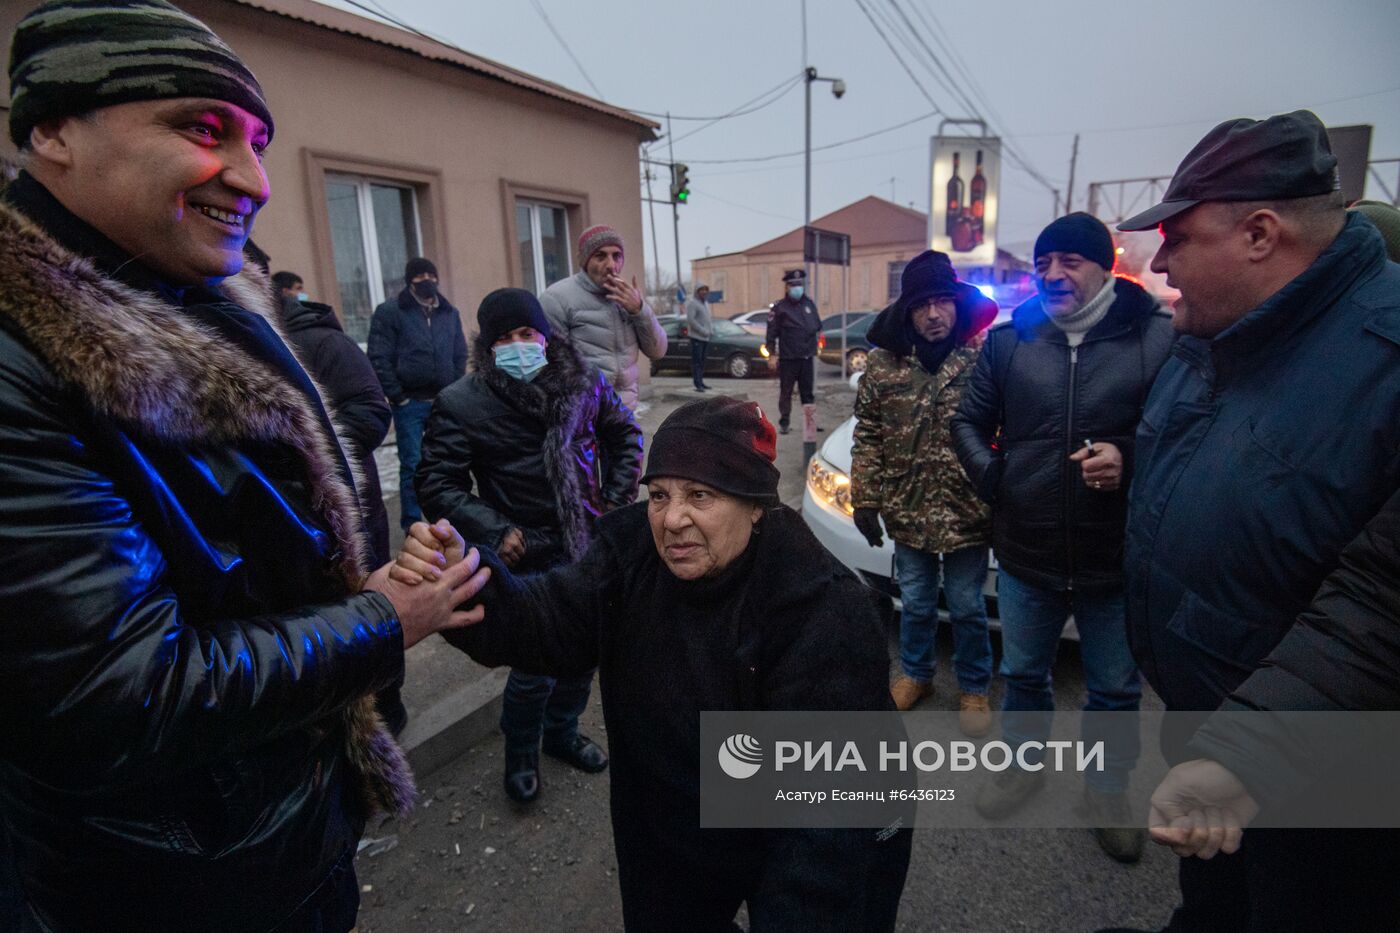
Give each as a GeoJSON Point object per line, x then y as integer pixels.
{"type": "Point", "coordinates": [964, 574]}
{"type": "Point", "coordinates": [535, 704]}
{"type": "Point", "coordinates": [410, 419]}
{"type": "Point", "coordinates": [697, 361]}
{"type": "Point", "coordinates": [1032, 619]}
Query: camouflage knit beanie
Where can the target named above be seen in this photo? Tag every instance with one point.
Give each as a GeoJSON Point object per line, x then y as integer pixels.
{"type": "Point", "coordinates": [74, 56]}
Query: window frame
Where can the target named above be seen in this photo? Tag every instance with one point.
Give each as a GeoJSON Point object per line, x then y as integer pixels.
{"type": "Point", "coordinates": [429, 211]}
{"type": "Point", "coordinates": [537, 242]}
{"type": "Point", "coordinates": [577, 218]}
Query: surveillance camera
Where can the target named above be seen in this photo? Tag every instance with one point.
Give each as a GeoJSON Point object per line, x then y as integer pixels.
{"type": "Point", "coordinates": [838, 88]}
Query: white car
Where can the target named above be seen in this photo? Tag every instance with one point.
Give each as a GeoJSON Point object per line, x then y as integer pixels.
{"type": "Point", "coordinates": [755, 321]}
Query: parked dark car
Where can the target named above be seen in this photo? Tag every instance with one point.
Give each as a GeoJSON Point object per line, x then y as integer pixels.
{"type": "Point", "coordinates": [733, 351]}
{"type": "Point", "coordinates": [857, 346]}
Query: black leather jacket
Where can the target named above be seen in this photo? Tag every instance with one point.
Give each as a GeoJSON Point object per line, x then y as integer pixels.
{"type": "Point", "coordinates": [548, 457]}
{"type": "Point", "coordinates": [181, 634]}
{"type": "Point", "coordinates": [1031, 402]}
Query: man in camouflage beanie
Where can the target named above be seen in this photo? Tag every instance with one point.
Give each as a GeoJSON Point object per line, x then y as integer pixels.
{"type": "Point", "coordinates": [73, 57]}
{"type": "Point", "coordinates": [193, 629]}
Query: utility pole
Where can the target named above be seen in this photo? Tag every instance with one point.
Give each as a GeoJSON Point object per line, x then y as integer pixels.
{"type": "Point", "coordinates": [675, 208]}
{"type": "Point", "coordinates": [1073, 159]}
{"type": "Point", "coordinates": [655, 253]}
{"type": "Point", "coordinates": [892, 197]}
{"type": "Point", "coordinates": [1054, 203]}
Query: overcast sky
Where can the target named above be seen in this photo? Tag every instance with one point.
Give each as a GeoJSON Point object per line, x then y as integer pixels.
{"type": "Point", "coordinates": [1141, 83]}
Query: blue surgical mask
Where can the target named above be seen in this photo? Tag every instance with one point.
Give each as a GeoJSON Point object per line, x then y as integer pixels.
{"type": "Point", "coordinates": [303, 296]}
{"type": "Point", "coordinates": [521, 360]}
{"type": "Point", "coordinates": [795, 293]}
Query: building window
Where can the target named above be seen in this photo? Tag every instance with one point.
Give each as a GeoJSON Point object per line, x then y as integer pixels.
{"type": "Point", "coordinates": [374, 232]}
{"type": "Point", "coordinates": [542, 242]}
{"type": "Point", "coordinates": [896, 270]}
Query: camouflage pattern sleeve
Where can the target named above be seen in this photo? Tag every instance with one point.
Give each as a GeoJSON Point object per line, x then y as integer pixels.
{"type": "Point", "coordinates": [866, 464]}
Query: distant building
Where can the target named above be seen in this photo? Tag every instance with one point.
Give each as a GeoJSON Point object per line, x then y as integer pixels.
{"type": "Point", "coordinates": [884, 237]}
{"type": "Point", "coordinates": [390, 145]}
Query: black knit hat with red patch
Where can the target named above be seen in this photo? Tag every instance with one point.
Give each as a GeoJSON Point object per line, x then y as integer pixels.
{"type": "Point", "coordinates": [721, 442]}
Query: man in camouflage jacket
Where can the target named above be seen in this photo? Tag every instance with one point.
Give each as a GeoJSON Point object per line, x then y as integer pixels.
{"type": "Point", "coordinates": [904, 469]}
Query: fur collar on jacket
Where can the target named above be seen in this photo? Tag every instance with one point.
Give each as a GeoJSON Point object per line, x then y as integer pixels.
{"type": "Point", "coordinates": [137, 359]}
{"type": "Point", "coordinates": [563, 397]}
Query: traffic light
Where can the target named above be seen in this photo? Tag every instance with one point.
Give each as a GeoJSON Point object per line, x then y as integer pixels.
{"type": "Point", "coordinates": [680, 183]}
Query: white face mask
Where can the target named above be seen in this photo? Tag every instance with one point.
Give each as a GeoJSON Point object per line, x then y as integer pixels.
{"type": "Point", "coordinates": [520, 359]}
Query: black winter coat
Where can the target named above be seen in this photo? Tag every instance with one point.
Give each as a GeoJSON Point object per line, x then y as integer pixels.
{"type": "Point", "coordinates": [416, 354]}
{"type": "Point", "coordinates": [187, 740]}
{"type": "Point", "coordinates": [547, 457]}
{"type": "Point", "coordinates": [785, 627]}
{"type": "Point", "coordinates": [793, 327]}
{"type": "Point", "coordinates": [1031, 402]}
{"type": "Point", "coordinates": [344, 372]}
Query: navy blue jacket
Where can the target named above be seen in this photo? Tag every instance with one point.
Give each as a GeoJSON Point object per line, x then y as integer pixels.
{"type": "Point", "coordinates": [793, 327]}
{"type": "Point", "coordinates": [1260, 455]}
{"type": "Point", "coordinates": [416, 354]}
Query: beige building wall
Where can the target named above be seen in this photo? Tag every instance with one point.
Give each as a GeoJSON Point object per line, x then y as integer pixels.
{"type": "Point", "coordinates": [468, 144]}
{"type": "Point", "coordinates": [751, 282]}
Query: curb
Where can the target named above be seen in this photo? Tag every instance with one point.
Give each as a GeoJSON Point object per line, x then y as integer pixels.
{"type": "Point", "coordinates": [452, 725]}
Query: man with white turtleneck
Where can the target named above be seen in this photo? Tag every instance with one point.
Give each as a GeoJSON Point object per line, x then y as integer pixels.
{"type": "Point", "coordinates": [1045, 432]}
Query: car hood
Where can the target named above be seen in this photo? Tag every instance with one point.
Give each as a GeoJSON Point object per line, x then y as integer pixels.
{"type": "Point", "coordinates": [837, 449]}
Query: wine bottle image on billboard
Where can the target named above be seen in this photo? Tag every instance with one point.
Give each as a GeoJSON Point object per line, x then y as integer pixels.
{"type": "Point", "coordinates": [955, 196]}
{"type": "Point", "coordinates": [978, 201]}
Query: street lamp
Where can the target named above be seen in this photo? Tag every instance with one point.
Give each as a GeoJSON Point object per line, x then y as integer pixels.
{"type": "Point", "coordinates": [838, 90]}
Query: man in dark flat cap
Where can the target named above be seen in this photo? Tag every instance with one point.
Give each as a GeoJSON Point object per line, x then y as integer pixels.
{"type": "Point", "coordinates": [191, 629]}
{"type": "Point", "coordinates": [1269, 440]}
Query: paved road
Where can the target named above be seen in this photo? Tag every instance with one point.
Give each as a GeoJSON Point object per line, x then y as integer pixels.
{"type": "Point", "coordinates": [470, 859]}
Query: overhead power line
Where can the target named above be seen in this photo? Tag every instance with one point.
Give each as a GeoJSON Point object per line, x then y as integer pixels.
{"type": "Point", "coordinates": [773, 94]}
{"type": "Point", "coordinates": [897, 57]}
{"type": "Point", "coordinates": [942, 76]}
{"type": "Point", "coordinates": [798, 152]}
{"type": "Point", "coordinates": [539, 8]}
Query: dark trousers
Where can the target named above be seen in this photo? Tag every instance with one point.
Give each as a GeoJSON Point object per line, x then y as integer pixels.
{"type": "Point", "coordinates": [790, 371]}
{"type": "Point", "coordinates": [535, 704]}
{"type": "Point", "coordinates": [1285, 880]}
{"type": "Point", "coordinates": [697, 361]}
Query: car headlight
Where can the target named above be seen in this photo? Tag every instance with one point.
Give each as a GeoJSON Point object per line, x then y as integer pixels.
{"type": "Point", "coordinates": [763, 350]}
{"type": "Point", "coordinates": [829, 485]}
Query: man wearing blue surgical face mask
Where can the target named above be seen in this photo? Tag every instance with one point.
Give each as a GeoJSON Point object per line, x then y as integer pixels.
{"type": "Point", "coordinates": [793, 326]}
{"type": "Point", "coordinates": [523, 454]}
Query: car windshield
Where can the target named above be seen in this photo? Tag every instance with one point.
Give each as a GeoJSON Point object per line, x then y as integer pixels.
{"type": "Point", "coordinates": [728, 329]}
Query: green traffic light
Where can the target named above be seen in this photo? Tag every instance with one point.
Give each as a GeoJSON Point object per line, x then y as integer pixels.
{"type": "Point", "coordinates": [682, 196]}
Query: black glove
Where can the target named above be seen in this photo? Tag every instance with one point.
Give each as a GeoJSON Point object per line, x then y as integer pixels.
{"type": "Point", "coordinates": [867, 522]}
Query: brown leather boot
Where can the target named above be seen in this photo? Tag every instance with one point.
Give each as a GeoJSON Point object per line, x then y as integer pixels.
{"type": "Point", "coordinates": [974, 715]}
{"type": "Point", "coordinates": [907, 692]}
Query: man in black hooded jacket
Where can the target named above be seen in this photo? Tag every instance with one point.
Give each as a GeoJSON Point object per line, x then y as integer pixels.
{"type": "Point", "coordinates": [525, 452]}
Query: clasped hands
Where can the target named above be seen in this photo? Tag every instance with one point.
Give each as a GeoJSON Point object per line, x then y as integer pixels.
{"type": "Point", "coordinates": [435, 574]}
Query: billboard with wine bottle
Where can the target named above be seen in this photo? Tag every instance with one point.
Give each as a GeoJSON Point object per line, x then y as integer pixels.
{"type": "Point", "coordinates": [965, 174]}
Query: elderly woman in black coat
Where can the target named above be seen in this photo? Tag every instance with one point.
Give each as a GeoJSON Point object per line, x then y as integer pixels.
{"type": "Point", "coordinates": [710, 595]}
